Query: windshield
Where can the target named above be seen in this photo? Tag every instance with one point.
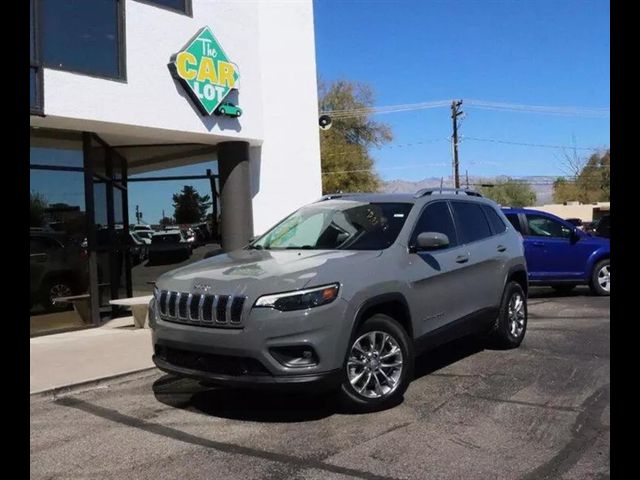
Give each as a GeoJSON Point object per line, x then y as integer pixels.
{"type": "Point", "coordinates": [338, 225]}
{"type": "Point", "coordinates": [143, 234]}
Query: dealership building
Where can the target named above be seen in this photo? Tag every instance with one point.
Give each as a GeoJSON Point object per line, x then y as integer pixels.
{"type": "Point", "coordinates": [126, 87]}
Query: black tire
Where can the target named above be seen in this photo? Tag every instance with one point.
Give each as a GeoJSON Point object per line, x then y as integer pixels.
{"type": "Point", "coordinates": [563, 289]}
{"type": "Point", "coordinates": [503, 331]}
{"type": "Point", "coordinates": [353, 400]}
{"type": "Point", "coordinates": [596, 287]}
{"type": "Point", "coordinates": [56, 287]}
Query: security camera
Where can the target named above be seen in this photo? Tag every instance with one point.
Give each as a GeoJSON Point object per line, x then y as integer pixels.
{"type": "Point", "coordinates": [325, 122]}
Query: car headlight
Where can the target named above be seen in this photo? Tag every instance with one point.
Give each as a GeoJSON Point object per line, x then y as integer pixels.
{"type": "Point", "coordinates": [300, 299]}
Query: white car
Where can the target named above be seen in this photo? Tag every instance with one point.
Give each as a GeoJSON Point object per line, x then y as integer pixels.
{"type": "Point", "coordinates": [169, 243]}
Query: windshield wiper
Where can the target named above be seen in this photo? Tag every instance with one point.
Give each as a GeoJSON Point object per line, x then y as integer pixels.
{"type": "Point", "coordinates": [303, 247]}
{"type": "Point", "coordinates": [255, 247]}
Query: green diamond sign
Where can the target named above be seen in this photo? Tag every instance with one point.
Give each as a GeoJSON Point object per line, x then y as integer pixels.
{"type": "Point", "coordinates": [205, 71]}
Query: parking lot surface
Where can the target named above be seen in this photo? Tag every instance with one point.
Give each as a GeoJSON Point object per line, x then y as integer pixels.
{"type": "Point", "coordinates": [540, 411]}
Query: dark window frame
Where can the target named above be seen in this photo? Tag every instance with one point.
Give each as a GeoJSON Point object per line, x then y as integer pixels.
{"type": "Point", "coordinates": [122, 46]}
{"type": "Point", "coordinates": [460, 231]}
{"type": "Point", "coordinates": [413, 236]}
{"type": "Point", "coordinates": [188, 7]}
{"type": "Point", "coordinates": [38, 108]}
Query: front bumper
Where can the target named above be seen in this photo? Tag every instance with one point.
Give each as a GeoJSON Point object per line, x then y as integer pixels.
{"type": "Point", "coordinates": [242, 356]}
{"type": "Point", "coordinates": [314, 381]}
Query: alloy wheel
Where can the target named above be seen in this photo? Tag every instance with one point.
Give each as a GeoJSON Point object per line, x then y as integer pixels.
{"type": "Point", "coordinates": [374, 366]}
{"type": "Point", "coordinates": [604, 278]}
{"type": "Point", "coordinates": [516, 315]}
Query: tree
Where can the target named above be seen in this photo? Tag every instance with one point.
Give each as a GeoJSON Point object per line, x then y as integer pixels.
{"type": "Point", "coordinates": [190, 206]}
{"type": "Point", "coordinates": [591, 183]}
{"type": "Point", "coordinates": [509, 192]}
{"type": "Point", "coordinates": [345, 146]}
{"type": "Point", "coordinates": [37, 206]}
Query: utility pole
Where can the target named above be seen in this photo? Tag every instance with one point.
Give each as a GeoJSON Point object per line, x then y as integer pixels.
{"type": "Point", "coordinates": [467, 174]}
{"type": "Point", "coordinates": [455, 113]}
{"type": "Point", "coordinates": [138, 215]}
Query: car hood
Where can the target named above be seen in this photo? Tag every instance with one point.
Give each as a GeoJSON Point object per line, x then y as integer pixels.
{"type": "Point", "coordinates": [257, 272]}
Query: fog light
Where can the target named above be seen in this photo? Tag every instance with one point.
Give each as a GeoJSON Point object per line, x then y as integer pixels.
{"type": "Point", "coordinates": [295, 356]}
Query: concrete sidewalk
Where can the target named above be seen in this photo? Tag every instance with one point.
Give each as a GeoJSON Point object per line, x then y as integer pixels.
{"type": "Point", "coordinates": [71, 358]}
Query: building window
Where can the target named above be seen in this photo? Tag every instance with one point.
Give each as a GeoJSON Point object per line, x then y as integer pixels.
{"type": "Point", "coordinates": [58, 262]}
{"type": "Point", "coordinates": [83, 36]}
{"type": "Point", "coordinates": [35, 71]}
{"type": "Point", "coordinates": [182, 6]}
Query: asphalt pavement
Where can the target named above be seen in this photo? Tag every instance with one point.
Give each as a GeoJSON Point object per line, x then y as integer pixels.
{"type": "Point", "coordinates": [540, 411]}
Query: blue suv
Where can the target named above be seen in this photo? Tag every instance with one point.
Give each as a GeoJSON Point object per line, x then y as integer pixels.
{"type": "Point", "coordinates": [559, 254]}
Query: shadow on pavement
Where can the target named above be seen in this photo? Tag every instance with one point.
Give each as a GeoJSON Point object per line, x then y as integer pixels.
{"type": "Point", "coordinates": [548, 292]}
{"type": "Point", "coordinates": [248, 405]}
{"type": "Point", "coordinates": [288, 406]}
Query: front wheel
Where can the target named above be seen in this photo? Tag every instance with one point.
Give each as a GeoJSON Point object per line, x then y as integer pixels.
{"type": "Point", "coordinates": [379, 365]}
{"type": "Point", "coordinates": [511, 324]}
{"type": "Point", "coordinates": [601, 278]}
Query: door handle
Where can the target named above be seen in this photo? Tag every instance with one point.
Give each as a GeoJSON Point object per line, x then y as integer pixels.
{"type": "Point", "coordinates": [462, 258]}
{"type": "Point", "coordinates": [501, 248]}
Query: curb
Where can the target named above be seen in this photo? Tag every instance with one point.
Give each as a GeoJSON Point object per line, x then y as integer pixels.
{"type": "Point", "coordinates": [85, 385]}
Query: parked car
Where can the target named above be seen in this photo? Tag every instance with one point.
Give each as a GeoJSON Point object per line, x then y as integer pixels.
{"type": "Point", "coordinates": [169, 244]}
{"type": "Point", "coordinates": [559, 254]}
{"type": "Point", "coordinates": [141, 228]}
{"type": "Point", "coordinates": [140, 248]}
{"type": "Point", "coordinates": [343, 293]}
{"type": "Point", "coordinates": [58, 268]}
{"type": "Point", "coordinates": [144, 235]}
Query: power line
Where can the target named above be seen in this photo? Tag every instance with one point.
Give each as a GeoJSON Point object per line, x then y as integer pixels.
{"type": "Point", "coordinates": [541, 145]}
{"type": "Point", "coordinates": [542, 109]}
{"type": "Point", "coordinates": [479, 104]}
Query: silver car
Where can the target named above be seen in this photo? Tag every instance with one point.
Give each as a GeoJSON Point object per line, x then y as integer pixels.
{"type": "Point", "coordinates": [344, 293]}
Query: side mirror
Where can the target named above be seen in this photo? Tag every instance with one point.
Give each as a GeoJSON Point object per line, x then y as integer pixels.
{"type": "Point", "coordinates": [431, 241]}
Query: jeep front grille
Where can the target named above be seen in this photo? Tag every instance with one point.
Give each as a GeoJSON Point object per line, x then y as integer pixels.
{"type": "Point", "coordinates": [204, 310]}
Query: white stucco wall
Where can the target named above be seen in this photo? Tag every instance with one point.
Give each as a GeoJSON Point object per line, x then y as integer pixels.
{"type": "Point", "coordinates": [272, 43]}
{"type": "Point", "coordinates": [290, 155]}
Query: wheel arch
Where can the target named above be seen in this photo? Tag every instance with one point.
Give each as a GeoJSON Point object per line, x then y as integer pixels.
{"type": "Point", "coordinates": [393, 304]}
{"type": "Point", "coordinates": [518, 273]}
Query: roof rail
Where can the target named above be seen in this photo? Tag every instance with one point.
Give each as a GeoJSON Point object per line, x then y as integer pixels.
{"type": "Point", "coordinates": [458, 191]}
{"type": "Point", "coordinates": [331, 196]}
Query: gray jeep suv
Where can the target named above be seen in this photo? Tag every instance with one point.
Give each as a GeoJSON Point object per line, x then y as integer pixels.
{"type": "Point", "coordinates": [344, 293]}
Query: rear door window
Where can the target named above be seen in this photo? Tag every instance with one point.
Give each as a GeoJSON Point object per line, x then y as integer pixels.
{"type": "Point", "coordinates": [471, 222]}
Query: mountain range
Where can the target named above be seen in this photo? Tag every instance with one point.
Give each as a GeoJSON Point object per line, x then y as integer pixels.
{"type": "Point", "coordinates": [541, 185]}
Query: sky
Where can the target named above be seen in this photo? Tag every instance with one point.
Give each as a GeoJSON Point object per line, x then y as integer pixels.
{"type": "Point", "coordinates": [538, 52]}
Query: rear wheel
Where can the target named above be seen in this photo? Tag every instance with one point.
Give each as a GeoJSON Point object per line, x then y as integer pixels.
{"type": "Point", "coordinates": [511, 324]}
{"type": "Point", "coordinates": [379, 365]}
{"type": "Point", "coordinates": [601, 278]}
